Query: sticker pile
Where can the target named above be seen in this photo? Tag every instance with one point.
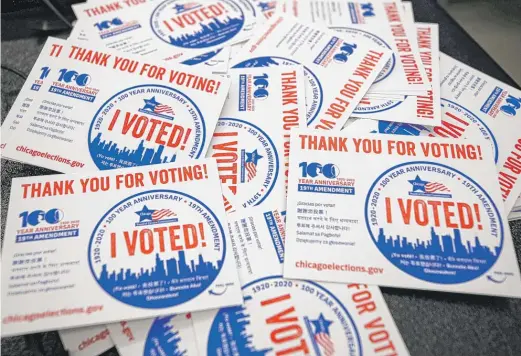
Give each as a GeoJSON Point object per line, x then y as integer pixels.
{"type": "Point", "coordinates": [240, 177]}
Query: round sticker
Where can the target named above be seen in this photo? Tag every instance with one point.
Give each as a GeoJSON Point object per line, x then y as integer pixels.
{"type": "Point", "coordinates": [461, 122]}
{"type": "Point", "coordinates": [247, 159]}
{"type": "Point", "coordinates": [280, 315]}
{"type": "Point", "coordinates": [157, 249]}
{"type": "Point", "coordinates": [165, 336]}
{"type": "Point", "coordinates": [197, 24]}
{"type": "Point", "coordinates": [314, 93]}
{"type": "Point", "coordinates": [454, 229]}
{"type": "Point", "coordinates": [146, 124]}
{"type": "Point", "coordinates": [356, 33]}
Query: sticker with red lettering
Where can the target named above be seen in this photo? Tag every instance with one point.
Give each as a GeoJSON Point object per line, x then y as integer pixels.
{"type": "Point", "coordinates": [282, 316]}
{"type": "Point", "coordinates": [457, 122]}
{"type": "Point", "coordinates": [324, 54]}
{"type": "Point", "coordinates": [420, 109]}
{"type": "Point", "coordinates": [497, 105]}
{"type": "Point", "coordinates": [101, 110]}
{"type": "Point", "coordinates": [422, 210]}
{"type": "Point", "coordinates": [314, 99]}
{"type": "Point", "coordinates": [30, 93]}
{"type": "Point", "coordinates": [392, 77]}
{"type": "Point", "coordinates": [458, 232]}
{"type": "Point", "coordinates": [169, 29]}
{"type": "Point", "coordinates": [387, 20]}
{"type": "Point", "coordinates": [172, 273]}
{"type": "Point", "coordinates": [153, 241]}
{"type": "Point", "coordinates": [251, 140]}
{"type": "Point", "coordinates": [216, 60]}
{"type": "Point", "coordinates": [168, 335]}
{"type": "Point", "coordinates": [153, 116]}
{"type": "Point", "coordinates": [88, 341]}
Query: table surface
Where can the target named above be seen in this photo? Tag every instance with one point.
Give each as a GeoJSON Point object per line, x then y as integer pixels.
{"type": "Point", "coordinates": [431, 323]}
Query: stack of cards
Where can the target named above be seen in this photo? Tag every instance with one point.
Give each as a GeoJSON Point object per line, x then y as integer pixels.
{"type": "Point", "coordinates": [242, 175]}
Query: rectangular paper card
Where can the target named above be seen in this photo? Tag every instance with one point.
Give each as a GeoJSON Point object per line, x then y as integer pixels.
{"type": "Point", "coordinates": [494, 109]}
{"type": "Point", "coordinates": [421, 215]}
{"type": "Point", "coordinates": [143, 242]}
{"type": "Point", "coordinates": [392, 78]}
{"type": "Point", "coordinates": [28, 95]}
{"type": "Point", "coordinates": [477, 107]}
{"type": "Point", "coordinates": [375, 15]}
{"type": "Point", "coordinates": [251, 140]}
{"type": "Point", "coordinates": [88, 341]}
{"type": "Point", "coordinates": [216, 61]}
{"type": "Point", "coordinates": [339, 70]}
{"type": "Point", "coordinates": [169, 30]}
{"type": "Point", "coordinates": [297, 317]}
{"type": "Point", "coordinates": [167, 335]}
{"type": "Point", "coordinates": [422, 110]}
{"type": "Point", "coordinates": [102, 110]}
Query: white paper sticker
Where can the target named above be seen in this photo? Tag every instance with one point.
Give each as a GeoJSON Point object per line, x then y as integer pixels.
{"type": "Point", "coordinates": [216, 61]}
{"type": "Point", "coordinates": [143, 242]}
{"type": "Point", "coordinates": [423, 211]}
{"type": "Point", "coordinates": [339, 70]}
{"type": "Point", "coordinates": [422, 110]}
{"type": "Point", "coordinates": [170, 29]}
{"type": "Point", "coordinates": [251, 140]}
{"type": "Point", "coordinates": [282, 317]}
{"type": "Point", "coordinates": [494, 110]}
{"type": "Point", "coordinates": [387, 14]}
{"type": "Point", "coordinates": [88, 341]}
{"type": "Point", "coordinates": [91, 116]}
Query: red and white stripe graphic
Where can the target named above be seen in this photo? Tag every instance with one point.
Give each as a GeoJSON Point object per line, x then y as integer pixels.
{"type": "Point", "coordinates": [435, 187]}
{"type": "Point", "coordinates": [163, 109]}
{"type": "Point", "coordinates": [161, 214]}
{"type": "Point", "coordinates": [251, 168]}
{"type": "Point", "coordinates": [324, 340]}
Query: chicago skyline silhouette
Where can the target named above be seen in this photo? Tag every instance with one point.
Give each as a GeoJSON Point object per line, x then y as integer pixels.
{"type": "Point", "coordinates": [195, 39]}
{"type": "Point", "coordinates": [139, 156]}
{"type": "Point", "coordinates": [449, 246]}
{"type": "Point", "coordinates": [163, 269]}
{"type": "Point", "coordinates": [238, 320]}
{"type": "Point", "coordinates": [164, 337]}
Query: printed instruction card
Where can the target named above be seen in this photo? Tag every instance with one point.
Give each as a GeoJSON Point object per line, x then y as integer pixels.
{"type": "Point", "coordinates": [251, 140]}
{"type": "Point", "coordinates": [339, 69]}
{"type": "Point", "coordinates": [144, 242]}
{"type": "Point", "coordinates": [421, 215]}
{"type": "Point", "coordinates": [98, 110]}
{"type": "Point", "coordinates": [169, 29]}
{"type": "Point", "coordinates": [284, 317]}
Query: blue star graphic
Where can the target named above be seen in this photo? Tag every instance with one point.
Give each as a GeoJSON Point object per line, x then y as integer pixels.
{"type": "Point", "coordinates": [418, 184]}
{"type": "Point", "coordinates": [179, 8]}
{"type": "Point", "coordinates": [321, 324]}
{"type": "Point", "coordinates": [150, 104]}
{"type": "Point", "coordinates": [145, 214]}
{"type": "Point", "coordinates": [253, 157]}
